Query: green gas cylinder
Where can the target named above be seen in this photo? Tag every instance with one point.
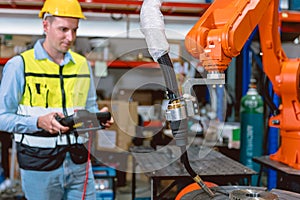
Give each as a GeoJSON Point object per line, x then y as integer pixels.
{"type": "Point", "coordinates": [252, 128]}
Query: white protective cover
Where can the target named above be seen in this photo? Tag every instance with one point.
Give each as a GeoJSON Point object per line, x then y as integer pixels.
{"type": "Point", "coordinates": [153, 27]}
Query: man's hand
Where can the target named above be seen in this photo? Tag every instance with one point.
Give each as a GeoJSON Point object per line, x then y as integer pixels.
{"type": "Point", "coordinates": [108, 123]}
{"type": "Point", "coordinates": [50, 124]}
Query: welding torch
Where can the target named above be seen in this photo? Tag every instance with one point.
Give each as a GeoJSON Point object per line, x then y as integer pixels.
{"type": "Point", "coordinates": [177, 114]}
{"type": "Point", "coordinates": [152, 27]}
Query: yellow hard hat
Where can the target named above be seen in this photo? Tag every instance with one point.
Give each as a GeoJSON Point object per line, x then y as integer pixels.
{"type": "Point", "coordinates": [62, 8]}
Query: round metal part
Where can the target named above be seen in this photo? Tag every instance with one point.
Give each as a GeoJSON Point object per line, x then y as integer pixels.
{"type": "Point", "coordinates": [249, 194]}
{"type": "Point", "coordinates": [235, 193]}
{"type": "Point", "coordinates": [221, 193]}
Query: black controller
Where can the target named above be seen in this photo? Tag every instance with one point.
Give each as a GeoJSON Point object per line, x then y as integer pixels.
{"type": "Point", "coordinates": [84, 116]}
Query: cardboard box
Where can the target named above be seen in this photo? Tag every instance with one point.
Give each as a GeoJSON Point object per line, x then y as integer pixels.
{"type": "Point", "coordinates": [119, 136]}
{"type": "Point", "coordinates": [140, 96]}
{"type": "Point", "coordinates": [146, 97]}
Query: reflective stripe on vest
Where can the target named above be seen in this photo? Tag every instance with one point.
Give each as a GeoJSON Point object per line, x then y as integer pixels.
{"type": "Point", "coordinates": [50, 142]}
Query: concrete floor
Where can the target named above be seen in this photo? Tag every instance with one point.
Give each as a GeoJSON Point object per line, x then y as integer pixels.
{"type": "Point", "coordinates": [142, 191]}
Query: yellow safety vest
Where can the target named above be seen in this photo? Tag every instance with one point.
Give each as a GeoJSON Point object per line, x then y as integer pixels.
{"type": "Point", "coordinates": [53, 88]}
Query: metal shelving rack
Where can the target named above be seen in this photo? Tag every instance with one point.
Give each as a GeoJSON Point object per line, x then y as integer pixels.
{"type": "Point", "coordinates": [118, 6]}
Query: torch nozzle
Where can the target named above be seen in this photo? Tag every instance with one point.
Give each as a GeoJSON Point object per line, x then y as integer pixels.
{"type": "Point", "coordinates": [201, 183]}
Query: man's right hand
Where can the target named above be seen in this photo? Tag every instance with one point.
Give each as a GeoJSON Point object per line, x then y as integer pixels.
{"type": "Point", "coordinates": [50, 124]}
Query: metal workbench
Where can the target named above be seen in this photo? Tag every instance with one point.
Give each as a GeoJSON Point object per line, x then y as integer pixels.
{"type": "Point", "coordinates": [288, 177]}
{"type": "Point", "coordinates": [164, 164]}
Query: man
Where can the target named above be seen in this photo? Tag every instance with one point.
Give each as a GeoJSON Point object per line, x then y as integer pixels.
{"type": "Point", "coordinates": [44, 82]}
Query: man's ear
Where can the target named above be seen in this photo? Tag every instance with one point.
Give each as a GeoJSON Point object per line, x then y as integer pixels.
{"type": "Point", "coordinates": [45, 26]}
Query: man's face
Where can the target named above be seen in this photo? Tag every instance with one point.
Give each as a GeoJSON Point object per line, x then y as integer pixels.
{"type": "Point", "coordinates": [61, 32]}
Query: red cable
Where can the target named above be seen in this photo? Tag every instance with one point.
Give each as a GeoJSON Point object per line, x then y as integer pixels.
{"type": "Point", "coordinates": [87, 168]}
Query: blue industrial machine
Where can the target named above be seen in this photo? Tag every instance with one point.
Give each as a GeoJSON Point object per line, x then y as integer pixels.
{"type": "Point", "coordinates": [104, 182]}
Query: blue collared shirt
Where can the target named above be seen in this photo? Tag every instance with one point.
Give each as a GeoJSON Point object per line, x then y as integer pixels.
{"type": "Point", "coordinates": [12, 88]}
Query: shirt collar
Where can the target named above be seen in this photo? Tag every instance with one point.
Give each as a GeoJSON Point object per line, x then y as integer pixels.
{"type": "Point", "coordinates": [40, 53]}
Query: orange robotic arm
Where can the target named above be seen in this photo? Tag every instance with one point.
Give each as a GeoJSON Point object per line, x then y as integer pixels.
{"type": "Point", "coordinates": [220, 35]}
{"type": "Point", "coordinates": [222, 31]}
